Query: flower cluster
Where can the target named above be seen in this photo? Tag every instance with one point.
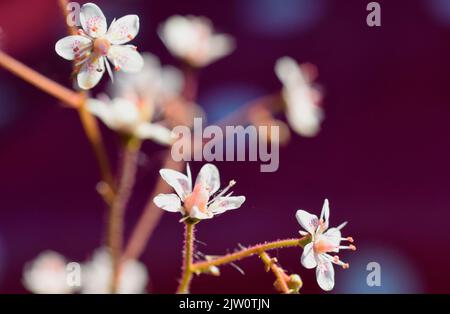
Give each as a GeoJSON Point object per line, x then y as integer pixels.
{"type": "Point", "coordinates": [150, 99]}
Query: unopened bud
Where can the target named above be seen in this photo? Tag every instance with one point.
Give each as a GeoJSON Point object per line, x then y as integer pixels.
{"type": "Point", "coordinates": [295, 283]}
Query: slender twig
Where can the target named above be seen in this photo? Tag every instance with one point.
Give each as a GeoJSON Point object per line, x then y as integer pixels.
{"type": "Point", "coordinates": [117, 210]}
{"type": "Point", "coordinates": [67, 96]}
{"type": "Point", "coordinates": [91, 128]}
{"type": "Point", "coordinates": [257, 249]}
{"type": "Point", "coordinates": [280, 275]}
{"type": "Point", "coordinates": [188, 252]}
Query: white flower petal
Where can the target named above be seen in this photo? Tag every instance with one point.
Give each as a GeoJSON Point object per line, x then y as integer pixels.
{"type": "Point", "coordinates": [325, 214]}
{"type": "Point", "coordinates": [308, 221]}
{"type": "Point", "coordinates": [178, 35]}
{"type": "Point", "coordinates": [303, 115]}
{"type": "Point", "coordinates": [97, 275]}
{"type": "Point", "coordinates": [325, 275]}
{"type": "Point", "coordinates": [69, 47]}
{"type": "Point", "coordinates": [223, 204]}
{"type": "Point", "coordinates": [288, 71]}
{"type": "Point", "coordinates": [197, 214]}
{"type": "Point", "coordinates": [178, 181]}
{"type": "Point", "coordinates": [101, 110]}
{"type": "Point", "coordinates": [168, 202]}
{"type": "Point", "coordinates": [220, 46]}
{"type": "Point", "coordinates": [154, 132]}
{"type": "Point", "coordinates": [192, 39]}
{"type": "Point", "coordinates": [209, 176]}
{"type": "Point", "coordinates": [333, 236]}
{"type": "Point", "coordinates": [308, 258]}
{"type": "Point", "coordinates": [93, 20]}
{"type": "Point", "coordinates": [125, 58]}
{"type": "Point", "coordinates": [123, 30]}
{"type": "Point", "coordinates": [91, 72]}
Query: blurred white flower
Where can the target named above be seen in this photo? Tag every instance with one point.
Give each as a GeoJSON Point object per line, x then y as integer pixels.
{"type": "Point", "coordinates": [97, 275]}
{"type": "Point", "coordinates": [95, 45]}
{"type": "Point", "coordinates": [196, 203]}
{"type": "Point", "coordinates": [46, 274]}
{"type": "Point", "coordinates": [130, 118]}
{"type": "Point", "coordinates": [192, 39]}
{"type": "Point", "coordinates": [302, 100]}
{"type": "Point", "coordinates": [323, 241]}
{"type": "Point", "coordinates": [154, 85]}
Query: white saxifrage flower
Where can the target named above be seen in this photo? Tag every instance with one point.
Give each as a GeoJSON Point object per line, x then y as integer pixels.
{"type": "Point", "coordinates": [95, 45]}
{"type": "Point", "coordinates": [302, 99]}
{"type": "Point", "coordinates": [192, 39]}
{"type": "Point", "coordinates": [197, 202]}
{"type": "Point", "coordinates": [324, 241]}
{"type": "Point", "coordinates": [97, 272]}
{"type": "Point", "coordinates": [128, 117]}
{"type": "Point", "coordinates": [47, 274]}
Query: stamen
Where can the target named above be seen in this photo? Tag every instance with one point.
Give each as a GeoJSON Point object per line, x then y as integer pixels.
{"type": "Point", "coordinates": [130, 37]}
{"type": "Point", "coordinates": [347, 247]}
{"type": "Point", "coordinates": [346, 266]}
{"type": "Point", "coordinates": [117, 68]}
{"type": "Point", "coordinates": [350, 239]}
{"type": "Point", "coordinates": [225, 190]}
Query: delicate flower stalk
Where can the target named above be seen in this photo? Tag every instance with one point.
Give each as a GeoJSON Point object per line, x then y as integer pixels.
{"type": "Point", "coordinates": [94, 136]}
{"type": "Point", "coordinates": [188, 254]}
{"type": "Point", "coordinates": [280, 275]}
{"type": "Point", "coordinates": [248, 252]}
{"type": "Point", "coordinates": [117, 210]}
{"type": "Point", "coordinates": [302, 98]}
{"type": "Point", "coordinates": [151, 215]}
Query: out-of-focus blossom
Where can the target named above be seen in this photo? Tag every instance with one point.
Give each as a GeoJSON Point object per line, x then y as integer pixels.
{"type": "Point", "coordinates": [127, 117]}
{"type": "Point", "coordinates": [47, 274]}
{"type": "Point", "coordinates": [196, 203]}
{"type": "Point", "coordinates": [95, 45]}
{"type": "Point", "coordinates": [192, 39]}
{"type": "Point", "coordinates": [97, 272]}
{"type": "Point", "coordinates": [153, 86]}
{"type": "Point", "coordinates": [323, 241]}
{"type": "Point", "coordinates": [302, 100]}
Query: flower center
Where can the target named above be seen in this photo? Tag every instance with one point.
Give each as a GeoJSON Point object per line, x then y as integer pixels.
{"type": "Point", "coordinates": [322, 246]}
{"type": "Point", "coordinates": [101, 46]}
{"type": "Point", "coordinates": [199, 198]}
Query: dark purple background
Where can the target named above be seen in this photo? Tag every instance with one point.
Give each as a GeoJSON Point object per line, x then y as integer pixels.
{"type": "Point", "coordinates": [381, 159]}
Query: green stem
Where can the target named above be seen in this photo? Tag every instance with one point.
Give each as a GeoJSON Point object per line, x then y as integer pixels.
{"type": "Point", "coordinates": [280, 275]}
{"type": "Point", "coordinates": [257, 249]}
{"type": "Point", "coordinates": [186, 279]}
